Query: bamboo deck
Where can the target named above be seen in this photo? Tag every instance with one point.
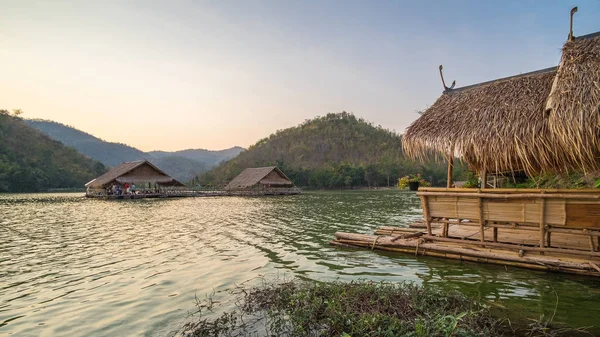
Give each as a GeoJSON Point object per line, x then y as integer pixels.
{"type": "Point", "coordinates": [514, 247]}
{"type": "Point", "coordinates": [557, 230]}
{"type": "Point", "coordinates": [197, 194]}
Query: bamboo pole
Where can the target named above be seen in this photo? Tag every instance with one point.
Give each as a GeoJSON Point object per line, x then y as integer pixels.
{"type": "Point", "coordinates": [476, 259]}
{"type": "Point", "coordinates": [512, 196]}
{"type": "Point", "coordinates": [542, 216]}
{"type": "Point", "coordinates": [497, 225]}
{"type": "Point", "coordinates": [516, 190]}
{"type": "Point", "coordinates": [481, 219]}
{"type": "Point", "coordinates": [484, 177]}
{"type": "Point", "coordinates": [514, 246]}
{"type": "Point", "coordinates": [368, 240]}
{"type": "Point", "coordinates": [426, 213]}
{"type": "Point", "coordinates": [526, 227]}
{"type": "Point", "coordinates": [450, 167]}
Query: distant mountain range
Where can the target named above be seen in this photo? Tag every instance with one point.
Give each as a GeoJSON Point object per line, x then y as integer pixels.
{"type": "Point", "coordinates": [182, 165]}
{"type": "Point", "coordinates": [30, 161]}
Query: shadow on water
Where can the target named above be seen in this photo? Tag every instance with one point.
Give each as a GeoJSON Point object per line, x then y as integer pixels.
{"type": "Point", "coordinates": [74, 266]}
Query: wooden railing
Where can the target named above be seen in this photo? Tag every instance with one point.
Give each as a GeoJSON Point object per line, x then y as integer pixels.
{"type": "Point", "coordinates": [570, 211]}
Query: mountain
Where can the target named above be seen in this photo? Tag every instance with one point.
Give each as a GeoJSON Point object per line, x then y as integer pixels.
{"type": "Point", "coordinates": [209, 157]}
{"type": "Point", "coordinates": [31, 161]}
{"type": "Point", "coordinates": [110, 154]}
{"type": "Point", "coordinates": [333, 151]}
{"type": "Point", "coordinates": [180, 168]}
{"type": "Point", "coordinates": [182, 165]}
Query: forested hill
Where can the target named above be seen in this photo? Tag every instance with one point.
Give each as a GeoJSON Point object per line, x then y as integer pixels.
{"type": "Point", "coordinates": [110, 154]}
{"type": "Point", "coordinates": [30, 161]}
{"type": "Point", "coordinates": [333, 151]}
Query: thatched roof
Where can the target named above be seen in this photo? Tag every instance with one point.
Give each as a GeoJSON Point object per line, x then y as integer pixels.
{"type": "Point", "coordinates": [547, 120]}
{"type": "Point", "coordinates": [573, 107]}
{"type": "Point", "coordinates": [499, 124]}
{"type": "Point", "coordinates": [141, 171]}
{"type": "Point", "coordinates": [260, 175]}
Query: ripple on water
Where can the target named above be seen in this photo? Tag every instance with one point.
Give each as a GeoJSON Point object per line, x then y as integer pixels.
{"type": "Point", "coordinates": [72, 266]}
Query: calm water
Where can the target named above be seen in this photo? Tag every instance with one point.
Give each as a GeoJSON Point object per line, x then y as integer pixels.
{"type": "Point", "coordinates": [76, 267]}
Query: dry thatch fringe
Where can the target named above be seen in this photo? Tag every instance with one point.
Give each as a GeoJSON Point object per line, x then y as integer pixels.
{"type": "Point", "coordinates": [499, 125]}
{"type": "Point", "coordinates": [574, 103]}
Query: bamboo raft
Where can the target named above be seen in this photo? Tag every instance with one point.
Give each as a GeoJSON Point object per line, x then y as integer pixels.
{"type": "Point", "coordinates": [182, 193]}
{"type": "Point", "coordinates": [553, 230]}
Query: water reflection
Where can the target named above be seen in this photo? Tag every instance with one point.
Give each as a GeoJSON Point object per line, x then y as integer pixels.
{"type": "Point", "coordinates": [72, 266]}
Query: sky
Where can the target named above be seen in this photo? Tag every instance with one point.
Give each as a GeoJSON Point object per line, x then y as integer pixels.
{"type": "Point", "coordinates": [172, 75]}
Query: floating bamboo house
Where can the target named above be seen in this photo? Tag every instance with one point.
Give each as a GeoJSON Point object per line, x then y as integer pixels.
{"type": "Point", "coordinates": [132, 180]}
{"type": "Point", "coordinates": [141, 179]}
{"type": "Point", "coordinates": [546, 121]}
{"type": "Point", "coordinates": [263, 180]}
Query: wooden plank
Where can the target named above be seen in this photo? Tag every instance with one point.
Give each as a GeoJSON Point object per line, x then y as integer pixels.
{"type": "Point", "coordinates": [583, 215]}
{"type": "Point", "coordinates": [425, 205]}
{"type": "Point", "coordinates": [513, 247]}
{"type": "Point", "coordinates": [514, 190]}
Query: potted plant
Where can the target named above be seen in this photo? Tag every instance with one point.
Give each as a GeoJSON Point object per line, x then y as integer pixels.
{"type": "Point", "coordinates": [413, 181]}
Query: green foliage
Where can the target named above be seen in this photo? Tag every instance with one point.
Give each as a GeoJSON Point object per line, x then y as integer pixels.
{"type": "Point", "coordinates": [412, 178]}
{"type": "Point", "coordinates": [30, 161]}
{"type": "Point", "coordinates": [358, 308]}
{"type": "Point", "coordinates": [333, 151]}
{"type": "Point", "coordinates": [472, 180]}
{"type": "Point", "coordinates": [348, 309]}
{"type": "Point", "coordinates": [110, 154]}
{"type": "Point", "coordinates": [571, 180]}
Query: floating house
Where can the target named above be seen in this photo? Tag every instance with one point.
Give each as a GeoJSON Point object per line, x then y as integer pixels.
{"type": "Point", "coordinates": [262, 180]}
{"type": "Point", "coordinates": [546, 121]}
{"type": "Point", "coordinates": [148, 179]}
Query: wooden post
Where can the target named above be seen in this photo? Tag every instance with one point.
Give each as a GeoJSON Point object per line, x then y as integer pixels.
{"type": "Point", "coordinates": [542, 220]}
{"type": "Point", "coordinates": [450, 167]}
{"type": "Point", "coordinates": [483, 177]}
{"type": "Point", "coordinates": [426, 213]}
{"type": "Point", "coordinates": [481, 218]}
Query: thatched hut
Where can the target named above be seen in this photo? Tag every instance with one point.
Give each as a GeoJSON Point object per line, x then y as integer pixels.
{"type": "Point", "coordinates": [573, 107]}
{"type": "Point", "coordinates": [497, 125]}
{"type": "Point", "coordinates": [546, 120]}
{"type": "Point", "coordinates": [260, 179]}
{"type": "Point", "coordinates": [141, 172]}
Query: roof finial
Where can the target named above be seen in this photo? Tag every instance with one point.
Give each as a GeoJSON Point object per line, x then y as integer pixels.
{"type": "Point", "coordinates": [444, 82]}
{"type": "Point", "coordinates": [573, 11]}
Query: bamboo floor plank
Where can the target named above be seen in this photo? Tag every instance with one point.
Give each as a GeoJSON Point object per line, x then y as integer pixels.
{"type": "Point", "coordinates": [505, 235]}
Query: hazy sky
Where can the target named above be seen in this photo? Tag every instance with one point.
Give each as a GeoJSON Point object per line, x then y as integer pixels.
{"type": "Point", "coordinates": [171, 75]}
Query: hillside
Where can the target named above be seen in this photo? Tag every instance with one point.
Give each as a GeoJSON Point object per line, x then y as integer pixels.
{"type": "Point", "coordinates": [110, 154]}
{"type": "Point", "coordinates": [180, 168]}
{"type": "Point", "coordinates": [182, 165]}
{"type": "Point", "coordinates": [209, 157]}
{"type": "Point", "coordinates": [31, 161]}
{"type": "Point", "coordinates": [333, 151]}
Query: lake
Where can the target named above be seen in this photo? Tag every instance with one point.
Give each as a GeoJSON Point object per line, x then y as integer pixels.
{"type": "Point", "coordinates": [71, 266]}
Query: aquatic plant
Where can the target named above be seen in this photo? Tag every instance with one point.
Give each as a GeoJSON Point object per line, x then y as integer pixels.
{"type": "Point", "coordinates": [362, 308]}
{"type": "Point", "coordinates": [358, 308]}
